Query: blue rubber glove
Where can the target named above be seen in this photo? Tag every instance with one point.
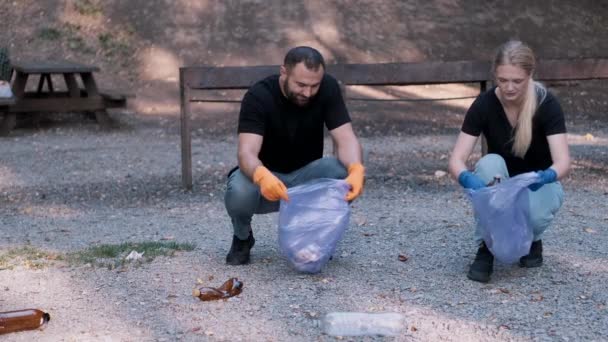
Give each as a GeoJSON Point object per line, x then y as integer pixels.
{"type": "Point", "coordinates": [545, 177]}
{"type": "Point", "coordinates": [469, 180]}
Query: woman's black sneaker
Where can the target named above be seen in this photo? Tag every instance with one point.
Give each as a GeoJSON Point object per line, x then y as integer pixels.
{"type": "Point", "coordinates": [482, 267]}
{"type": "Point", "coordinates": [535, 258]}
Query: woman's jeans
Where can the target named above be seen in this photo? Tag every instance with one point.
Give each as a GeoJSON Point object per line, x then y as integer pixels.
{"type": "Point", "coordinates": [243, 198]}
{"type": "Point", "coordinates": [544, 203]}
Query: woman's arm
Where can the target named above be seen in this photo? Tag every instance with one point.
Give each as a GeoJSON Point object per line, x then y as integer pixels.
{"type": "Point", "coordinates": [461, 152]}
{"type": "Point", "coordinates": [560, 154]}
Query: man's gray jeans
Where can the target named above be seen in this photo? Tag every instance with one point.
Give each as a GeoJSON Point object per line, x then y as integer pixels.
{"type": "Point", "coordinates": [243, 198]}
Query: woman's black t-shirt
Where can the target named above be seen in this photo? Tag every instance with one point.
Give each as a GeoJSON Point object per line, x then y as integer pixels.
{"type": "Point", "coordinates": [486, 115]}
{"type": "Point", "coordinates": [293, 135]}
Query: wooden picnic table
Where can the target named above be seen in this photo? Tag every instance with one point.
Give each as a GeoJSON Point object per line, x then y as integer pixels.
{"type": "Point", "coordinates": [75, 99]}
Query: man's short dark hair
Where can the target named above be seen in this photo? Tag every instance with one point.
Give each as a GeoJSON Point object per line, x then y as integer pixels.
{"type": "Point", "coordinates": [312, 58]}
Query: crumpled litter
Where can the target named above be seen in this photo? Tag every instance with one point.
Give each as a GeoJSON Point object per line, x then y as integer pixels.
{"type": "Point", "coordinates": [134, 255]}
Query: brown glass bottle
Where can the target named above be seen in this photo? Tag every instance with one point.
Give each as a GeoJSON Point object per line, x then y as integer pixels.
{"type": "Point", "coordinates": [231, 287]}
{"type": "Point", "coordinates": [28, 319]}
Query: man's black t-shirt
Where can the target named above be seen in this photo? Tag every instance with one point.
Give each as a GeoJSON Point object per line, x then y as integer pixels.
{"type": "Point", "coordinates": [293, 135]}
{"type": "Point", "coordinates": [486, 115]}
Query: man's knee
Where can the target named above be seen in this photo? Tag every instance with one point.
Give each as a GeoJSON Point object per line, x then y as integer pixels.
{"type": "Point", "coordinates": [332, 168]}
{"type": "Point", "coordinates": [241, 196]}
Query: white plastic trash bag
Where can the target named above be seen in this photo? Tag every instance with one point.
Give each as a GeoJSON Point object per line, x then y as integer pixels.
{"type": "Point", "coordinates": [502, 211]}
{"type": "Point", "coordinates": [312, 222]}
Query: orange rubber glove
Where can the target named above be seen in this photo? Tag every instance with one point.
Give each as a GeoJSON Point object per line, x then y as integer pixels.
{"type": "Point", "coordinates": [270, 186]}
{"type": "Point", "coordinates": [356, 177]}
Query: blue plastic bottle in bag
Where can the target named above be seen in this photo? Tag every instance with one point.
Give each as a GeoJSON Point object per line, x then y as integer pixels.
{"type": "Point", "coordinates": [502, 212]}
{"type": "Point", "coordinates": [312, 222]}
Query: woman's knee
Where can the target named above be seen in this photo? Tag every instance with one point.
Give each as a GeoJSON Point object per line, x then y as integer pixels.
{"type": "Point", "coordinates": [491, 165]}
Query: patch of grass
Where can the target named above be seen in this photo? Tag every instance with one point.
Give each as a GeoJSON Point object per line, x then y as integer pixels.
{"type": "Point", "coordinates": [113, 256]}
{"type": "Point", "coordinates": [105, 255]}
{"type": "Point", "coordinates": [74, 40]}
{"type": "Point", "coordinates": [87, 7]}
{"type": "Point", "coordinates": [26, 256]}
{"type": "Point", "coordinates": [113, 45]}
{"type": "Point", "coordinates": [49, 33]}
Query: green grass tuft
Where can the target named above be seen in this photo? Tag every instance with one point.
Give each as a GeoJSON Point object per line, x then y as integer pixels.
{"type": "Point", "coordinates": [26, 256]}
{"type": "Point", "coordinates": [114, 255]}
{"type": "Point", "coordinates": [105, 255]}
{"type": "Point", "coordinates": [49, 33]}
{"type": "Point", "coordinates": [88, 7]}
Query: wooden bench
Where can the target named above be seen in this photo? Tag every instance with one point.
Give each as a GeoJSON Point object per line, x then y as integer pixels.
{"type": "Point", "coordinates": [196, 81]}
{"type": "Point", "coordinates": [115, 99]}
{"type": "Point", "coordinates": [6, 125]}
{"type": "Point", "coordinates": [7, 101]}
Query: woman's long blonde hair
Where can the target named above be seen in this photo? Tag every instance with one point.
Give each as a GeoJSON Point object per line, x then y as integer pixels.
{"type": "Point", "coordinates": [520, 55]}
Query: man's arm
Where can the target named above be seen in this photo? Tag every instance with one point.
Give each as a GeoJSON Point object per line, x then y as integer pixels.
{"type": "Point", "coordinates": [250, 164]}
{"type": "Point", "coordinates": [350, 155]}
{"type": "Point", "coordinates": [347, 146]}
{"type": "Point", "coordinates": [248, 150]}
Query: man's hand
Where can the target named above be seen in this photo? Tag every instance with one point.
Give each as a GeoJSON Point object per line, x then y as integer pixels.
{"type": "Point", "coordinates": [469, 180]}
{"type": "Point", "coordinates": [356, 176]}
{"type": "Point", "coordinates": [270, 186]}
{"type": "Point", "coordinates": [545, 177]}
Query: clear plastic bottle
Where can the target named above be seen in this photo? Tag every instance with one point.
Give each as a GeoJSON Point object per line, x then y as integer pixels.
{"type": "Point", "coordinates": [363, 324]}
{"type": "Point", "coordinates": [28, 319]}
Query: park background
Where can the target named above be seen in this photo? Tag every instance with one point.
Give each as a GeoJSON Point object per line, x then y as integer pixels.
{"type": "Point", "coordinates": [67, 186]}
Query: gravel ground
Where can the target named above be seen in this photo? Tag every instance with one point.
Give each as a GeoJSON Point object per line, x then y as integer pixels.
{"type": "Point", "coordinates": [69, 186]}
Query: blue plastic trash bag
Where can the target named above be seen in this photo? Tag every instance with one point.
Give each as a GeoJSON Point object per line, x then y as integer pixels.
{"type": "Point", "coordinates": [502, 212]}
{"type": "Point", "coordinates": [312, 222]}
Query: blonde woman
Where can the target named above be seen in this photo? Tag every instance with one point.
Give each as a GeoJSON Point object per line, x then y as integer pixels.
{"type": "Point", "coordinates": [525, 131]}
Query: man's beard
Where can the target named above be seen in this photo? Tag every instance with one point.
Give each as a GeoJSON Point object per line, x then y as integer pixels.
{"type": "Point", "coordinates": [293, 97]}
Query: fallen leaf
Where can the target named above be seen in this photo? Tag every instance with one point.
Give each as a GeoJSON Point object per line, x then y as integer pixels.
{"type": "Point", "coordinates": [588, 230]}
{"type": "Point", "coordinates": [402, 258]}
{"type": "Point", "coordinates": [504, 326]}
{"type": "Point", "coordinates": [503, 290]}
{"type": "Point", "coordinates": [361, 221]}
{"type": "Point", "coordinates": [548, 314]}
{"type": "Point", "coordinates": [211, 278]}
{"type": "Point", "coordinates": [195, 329]}
{"type": "Point", "coordinates": [439, 173]}
{"type": "Point", "coordinates": [537, 297]}
{"type": "Point", "coordinates": [368, 234]}
{"type": "Point", "coordinates": [413, 328]}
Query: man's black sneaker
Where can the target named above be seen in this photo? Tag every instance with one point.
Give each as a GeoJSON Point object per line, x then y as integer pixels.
{"type": "Point", "coordinates": [239, 251]}
{"type": "Point", "coordinates": [482, 267]}
{"type": "Point", "coordinates": [535, 258]}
